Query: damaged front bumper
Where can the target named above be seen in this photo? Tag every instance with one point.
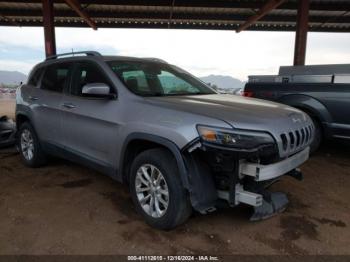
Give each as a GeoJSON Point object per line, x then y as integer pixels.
{"type": "Point", "coordinates": [239, 178]}
{"type": "Point", "coordinates": [266, 172]}
{"type": "Point", "coordinates": [262, 173]}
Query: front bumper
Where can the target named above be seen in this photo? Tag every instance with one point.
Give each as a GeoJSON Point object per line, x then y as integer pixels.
{"type": "Point", "coordinates": [219, 173]}
{"type": "Point", "coordinates": [266, 172]}
{"type": "Point", "coordinates": [239, 194]}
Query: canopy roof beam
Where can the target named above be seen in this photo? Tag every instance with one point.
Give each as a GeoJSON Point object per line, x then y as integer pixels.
{"type": "Point", "coordinates": [288, 5]}
{"type": "Point", "coordinates": [75, 5]}
{"type": "Point", "coordinates": [270, 5]}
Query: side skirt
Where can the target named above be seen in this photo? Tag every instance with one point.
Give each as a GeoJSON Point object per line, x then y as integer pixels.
{"type": "Point", "coordinates": [75, 157]}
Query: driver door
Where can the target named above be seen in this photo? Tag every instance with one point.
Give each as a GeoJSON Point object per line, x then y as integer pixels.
{"type": "Point", "coordinates": [90, 125]}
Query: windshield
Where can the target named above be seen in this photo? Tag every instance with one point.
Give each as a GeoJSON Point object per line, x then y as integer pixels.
{"type": "Point", "coordinates": [157, 79]}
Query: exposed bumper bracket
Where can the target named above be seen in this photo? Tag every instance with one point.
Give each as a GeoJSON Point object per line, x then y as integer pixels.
{"type": "Point", "coordinates": [242, 196]}
{"type": "Point", "coordinates": [267, 172]}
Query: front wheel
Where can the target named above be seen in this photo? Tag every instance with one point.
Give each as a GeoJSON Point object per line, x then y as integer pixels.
{"type": "Point", "coordinates": [157, 191]}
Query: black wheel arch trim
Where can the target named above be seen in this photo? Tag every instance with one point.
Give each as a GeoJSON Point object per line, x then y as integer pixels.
{"type": "Point", "coordinates": [26, 115]}
{"type": "Point", "coordinates": [308, 103]}
{"type": "Point", "coordinates": [174, 149]}
{"type": "Point", "coordinates": [196, 179]}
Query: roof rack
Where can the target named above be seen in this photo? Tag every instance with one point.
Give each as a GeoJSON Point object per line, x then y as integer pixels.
{"type": "Point", "coordinates": [87, 53]}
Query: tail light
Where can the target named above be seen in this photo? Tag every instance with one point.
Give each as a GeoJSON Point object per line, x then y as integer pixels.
{"type": "Point", "coordinates": [247, 93]}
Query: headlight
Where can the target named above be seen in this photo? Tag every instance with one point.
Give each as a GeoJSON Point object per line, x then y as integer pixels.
{"type": "Point", "coordinates": [234, 138]}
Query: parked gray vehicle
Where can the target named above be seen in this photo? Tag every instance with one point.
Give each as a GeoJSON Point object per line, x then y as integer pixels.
{"type": "Point", "coordinates": [321, 91]}
{"type": "Point", "coordinates": [173, 140]}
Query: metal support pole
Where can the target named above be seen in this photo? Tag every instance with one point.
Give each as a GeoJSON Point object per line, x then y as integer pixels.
{"type": "Point", "coordinates": [49, 28]}
{"type": "Point", "coordinates": [301, 32]}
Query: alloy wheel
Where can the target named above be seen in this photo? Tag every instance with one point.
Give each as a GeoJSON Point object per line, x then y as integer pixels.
{"type": "Point", "coordinates": [152, 190]}
{"type": "Point", "coordinates": [27, 145]}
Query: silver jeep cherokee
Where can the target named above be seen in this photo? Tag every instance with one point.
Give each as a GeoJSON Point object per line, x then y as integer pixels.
{"type": "Point", "coordinates": [177, 143]}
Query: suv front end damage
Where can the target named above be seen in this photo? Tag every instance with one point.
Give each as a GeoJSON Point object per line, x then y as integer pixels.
{"type": "Point", "coordinates": [178, 144]}
{"type": "Point", "coordinates": [238, 166]}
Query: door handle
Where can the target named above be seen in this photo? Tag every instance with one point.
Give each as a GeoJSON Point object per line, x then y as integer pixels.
{"type": "Point", "coordinates": [68, 105]}
{"type": "Point", "coordinates": [33, 98]}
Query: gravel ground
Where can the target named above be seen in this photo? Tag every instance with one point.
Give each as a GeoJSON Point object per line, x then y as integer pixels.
{"type": "Point", "coordinates": [64, 208]}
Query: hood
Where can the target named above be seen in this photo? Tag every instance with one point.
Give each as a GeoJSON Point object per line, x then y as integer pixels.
{"type": "Point", "coordinates": [240, 112]}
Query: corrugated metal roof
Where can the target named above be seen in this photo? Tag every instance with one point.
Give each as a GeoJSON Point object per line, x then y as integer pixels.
{"type": "Point", "coordinates": [325, 15]}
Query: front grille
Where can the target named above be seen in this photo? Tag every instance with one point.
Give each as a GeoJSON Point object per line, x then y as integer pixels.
{"type": "Point", "coordinates": [296, 140]}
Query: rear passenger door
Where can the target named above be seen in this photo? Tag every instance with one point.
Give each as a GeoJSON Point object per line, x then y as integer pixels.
{"type": "Point", "coordinates": [45, 102]}
{"type": "Point", "coordinates": [90, 125]}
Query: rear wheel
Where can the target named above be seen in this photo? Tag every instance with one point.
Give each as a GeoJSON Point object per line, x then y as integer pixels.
{"type": "Point", "coordinates": [29, 146]}
{"type": "Point", "coordinates": [157, 190]}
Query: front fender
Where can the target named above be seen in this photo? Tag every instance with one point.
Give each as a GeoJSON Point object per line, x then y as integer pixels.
{"type": "Point", "coordinates": [195, 175]}
{"type": "Point", "coordinates": [159, 140]}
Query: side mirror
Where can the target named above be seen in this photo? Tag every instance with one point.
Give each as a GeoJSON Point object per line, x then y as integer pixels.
{"type": "Point", "coordinates": [97, 90]}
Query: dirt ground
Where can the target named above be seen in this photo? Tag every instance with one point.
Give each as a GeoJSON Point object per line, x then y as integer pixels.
{"type": "Point", "coordinates": [64, 208]}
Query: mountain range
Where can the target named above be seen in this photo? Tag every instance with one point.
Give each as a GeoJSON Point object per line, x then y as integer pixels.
{"type": "Point", "coordinates": [12, 77]}
{"type": "Point", "coordinates": [220, 81]}
{"type": "Point", "coordinates": [223, 82]}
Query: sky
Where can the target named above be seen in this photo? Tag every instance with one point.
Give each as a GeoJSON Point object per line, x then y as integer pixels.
{"type": "Point", "coordinates": [201, 52]}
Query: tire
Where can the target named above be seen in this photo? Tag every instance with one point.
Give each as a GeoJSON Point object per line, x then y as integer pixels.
{"type": "Point", "coordinates": [27, 138]}
{"type": "Point", "coordinates": [178, 208]}
{"type": "Point", "coordinates": [316, 142]}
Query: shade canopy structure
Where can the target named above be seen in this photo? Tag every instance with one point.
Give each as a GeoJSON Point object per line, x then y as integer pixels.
{"type": "Point", "coordinates": [300, 16]}
{"type": "Point", "coordinates": [324, 15]}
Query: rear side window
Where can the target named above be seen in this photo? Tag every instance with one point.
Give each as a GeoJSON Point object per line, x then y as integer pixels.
{"type": "Point", "coordinates": [35, 77]}
{"type": "Point", "coordinates": [55, 77]}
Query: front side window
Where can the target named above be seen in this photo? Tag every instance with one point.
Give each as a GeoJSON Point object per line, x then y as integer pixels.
{"type": "Point", "coordinates": [136, 79]}
{"type": "Point", "coordinates": [55, 77]}
{"type": "Point", "coordinates": [87, 73]}
{"type": "Point", "coordinates": [157, 79]}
